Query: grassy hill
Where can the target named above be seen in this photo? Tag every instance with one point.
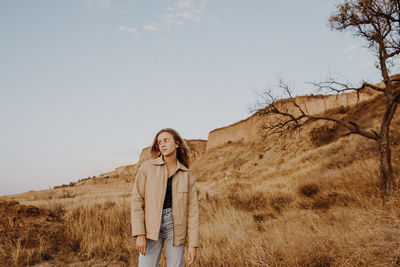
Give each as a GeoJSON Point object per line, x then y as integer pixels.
{"type": "Point", "coordinates": [311, 199]}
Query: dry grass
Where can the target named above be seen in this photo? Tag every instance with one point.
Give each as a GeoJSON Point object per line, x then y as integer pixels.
{"type": "Point", "coordinates": [101, 230]}
{"type": "Point", "coordinates": [276, 203]}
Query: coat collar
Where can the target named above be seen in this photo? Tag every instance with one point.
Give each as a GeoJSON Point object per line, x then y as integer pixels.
{"type": "Point", "coordinates": [160, 161]}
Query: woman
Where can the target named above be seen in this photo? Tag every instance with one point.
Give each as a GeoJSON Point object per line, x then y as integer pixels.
{"type": "Point", "coordinates": [164, 203]}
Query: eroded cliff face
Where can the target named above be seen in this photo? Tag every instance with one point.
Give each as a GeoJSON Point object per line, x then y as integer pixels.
{"type": "Point", "coordinates": [248, 130]}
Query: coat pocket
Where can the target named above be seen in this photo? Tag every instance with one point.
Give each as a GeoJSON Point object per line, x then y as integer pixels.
{"type": "Point", "coordinates": [182, 199]}
{"type": "Point", "coordinates": [182, 187]}
{"type": "Point", "coordinates": [182, 190]}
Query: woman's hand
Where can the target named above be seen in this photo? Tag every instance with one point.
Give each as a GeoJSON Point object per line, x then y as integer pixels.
{"type": "Point", "coordinates": [141, 244]}
{"type": "Point", "coordinates": [192, 253]}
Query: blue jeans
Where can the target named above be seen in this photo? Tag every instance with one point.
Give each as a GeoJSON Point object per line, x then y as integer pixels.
{"type": "Point", "coordinates": [154, 247]}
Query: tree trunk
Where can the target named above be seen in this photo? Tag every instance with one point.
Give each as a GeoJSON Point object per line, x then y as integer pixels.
{"type": "Point", "coordinates": [388, 182]}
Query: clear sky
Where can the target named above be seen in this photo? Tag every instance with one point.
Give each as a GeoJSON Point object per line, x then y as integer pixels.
{"type": "Point", "coordinates": [86, 84]}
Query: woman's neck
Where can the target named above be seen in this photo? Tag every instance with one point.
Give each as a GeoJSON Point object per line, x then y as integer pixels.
{"type": "Point", "coordinates": [170, 160]}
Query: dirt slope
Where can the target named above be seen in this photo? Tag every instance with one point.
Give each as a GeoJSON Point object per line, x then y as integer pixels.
{"type": "Point", "coordinates": [29, 234]}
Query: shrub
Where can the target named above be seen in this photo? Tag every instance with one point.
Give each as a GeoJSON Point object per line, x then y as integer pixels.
{"type": "Point", "coordinates": [248, 202]}
{"type": "Point", "coordinates": [280, 202]}
{"type": "Point", "coordinates": [309, 190]}
{"type": "Point", "coordinates": [65, 194]}
{"type": "Point", "coordinates": [263, 216]}
{"type": "Point", "coordinates": [323, 134]}
{"type": "Point", "coordinates": [325, 202]}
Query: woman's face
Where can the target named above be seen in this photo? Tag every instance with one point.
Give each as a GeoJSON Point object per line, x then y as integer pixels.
{"type": "Point", "coordinates": [166, 144]}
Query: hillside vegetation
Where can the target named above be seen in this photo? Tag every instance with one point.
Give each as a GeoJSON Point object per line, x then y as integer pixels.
{"type": "Point", "coordinates": [312, 199]}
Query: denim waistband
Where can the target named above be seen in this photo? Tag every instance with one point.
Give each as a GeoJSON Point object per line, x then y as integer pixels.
{"type": "Point", "coordinates": [167, 210]}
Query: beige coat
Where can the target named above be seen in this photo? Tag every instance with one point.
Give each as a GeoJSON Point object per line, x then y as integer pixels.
{"type": "Point", "coordinates": [148, 198]}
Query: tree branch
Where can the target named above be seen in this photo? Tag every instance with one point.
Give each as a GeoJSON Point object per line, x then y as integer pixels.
{"type": "Point", "coordinates": [351, 126]}
{"type": "Point", "coordinates": [395, 53]}
{"type": "Point", "coordinates": [373, 87]}
{"type": "Point", "coordinates": [332, 85]}
{"type": "Point", "coordinates": [283, 122]}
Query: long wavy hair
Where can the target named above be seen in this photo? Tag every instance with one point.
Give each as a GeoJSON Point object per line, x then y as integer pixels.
{"type": "Point", "coordinates": [182, 151]}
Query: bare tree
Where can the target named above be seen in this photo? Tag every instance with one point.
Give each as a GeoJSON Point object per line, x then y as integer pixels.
{"type": "Point", "coordinates": [378, 23]}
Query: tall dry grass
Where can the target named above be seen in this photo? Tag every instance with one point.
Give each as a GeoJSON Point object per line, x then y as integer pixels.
{"type": "Point", "coordinates": [309, 218]}
{"type": "Point", "coordinates": [336, 221]}
{"type": "Point", "coordinates": [101, 230]}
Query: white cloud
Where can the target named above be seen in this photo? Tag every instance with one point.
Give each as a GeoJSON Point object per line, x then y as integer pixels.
{"type": "Point", "coordinates": [99, 4]}
{"type": "Point", "coordinates": [184, 3]}
{"type": "Point", "coordinates": [127, 29]}
{"type": "Point", "coordinates": [151, 27]}
{"type": "Point", "coordinates": [351, 48]}
{"type": "Point", "coordinates": [184, 10]}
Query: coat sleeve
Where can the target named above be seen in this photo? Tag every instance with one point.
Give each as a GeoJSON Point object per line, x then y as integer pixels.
{"type": "Point", "coordinates": [137, 208]}
{"type": "Point", "coordinates": [193, 214]}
